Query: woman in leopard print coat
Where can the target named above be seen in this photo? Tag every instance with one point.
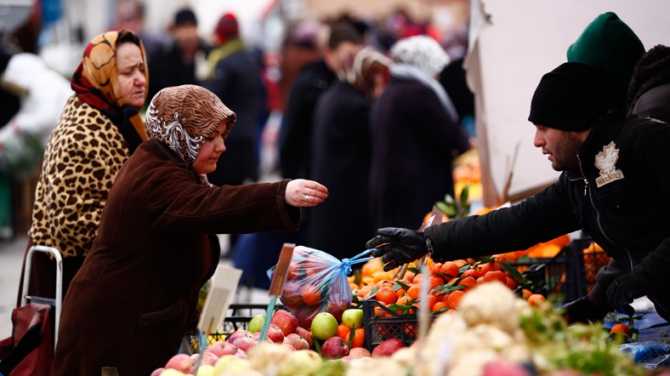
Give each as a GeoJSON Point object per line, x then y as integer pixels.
{"type": "Point", "coordinates": [98, 130]}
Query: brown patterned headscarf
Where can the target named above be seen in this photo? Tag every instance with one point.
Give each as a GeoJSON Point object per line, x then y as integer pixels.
{"type": "Point", "coordinates": [184, 117]}
{"type": "Point", "coordinates": [96, 82]}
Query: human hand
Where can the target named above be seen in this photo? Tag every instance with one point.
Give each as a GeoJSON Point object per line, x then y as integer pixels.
{"type": "Point", "coordinates": [623, 290]}
{"type": "Point", "coordinates": [304, 193]}
{"type": "Point", "coordinates": [398, 246]}
{"type": "Point", "coordinates": [583, 310]}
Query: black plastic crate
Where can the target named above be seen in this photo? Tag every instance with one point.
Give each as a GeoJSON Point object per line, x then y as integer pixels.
{"type": "Point", "coordinates": [377, 329]}
{"type": "Point", "coordinates": [238, 317]}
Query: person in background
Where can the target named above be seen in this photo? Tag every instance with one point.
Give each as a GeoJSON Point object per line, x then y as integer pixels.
{"type": "Point", "coordinates": [131, 16]}
{"type": "Point", "coordinates": [135, 296]}
{"type": "Point", "coordinates": [415, 136]}
{"type": "Point", "coordinates": [341, 153]}
{"type": "Point", "coordinates": [649, 90]}
{"type": "Point", "coordinates": [295, 137]}
{"type": "Point", "coordinates": [176, 62]}
{"type": "Point", "coordinates": [235, 76]}
{"type": "Point", "coordinates": [97, 132]}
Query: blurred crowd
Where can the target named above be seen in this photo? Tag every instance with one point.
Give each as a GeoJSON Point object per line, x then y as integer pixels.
{"type": "Point", "coordinates": [376, 110]}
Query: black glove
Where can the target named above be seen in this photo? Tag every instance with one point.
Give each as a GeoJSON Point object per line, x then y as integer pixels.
{"type": "Point", "coordinates": [584, 310]}
{"type": "Point", "coordinates": [623, 290]}
{"type": "Point", "coordinates": [398, 246]}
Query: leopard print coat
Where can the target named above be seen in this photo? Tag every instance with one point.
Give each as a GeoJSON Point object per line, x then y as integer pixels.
{"type": "Point", "coordinates": [83, 156]}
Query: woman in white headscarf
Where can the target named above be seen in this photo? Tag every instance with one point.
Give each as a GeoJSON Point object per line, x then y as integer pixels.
{"type": "Point", "coordinates": [415, 136]}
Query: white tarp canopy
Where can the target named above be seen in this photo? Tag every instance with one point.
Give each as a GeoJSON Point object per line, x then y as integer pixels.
{"type": "Point", "coordinates": [513, 43]}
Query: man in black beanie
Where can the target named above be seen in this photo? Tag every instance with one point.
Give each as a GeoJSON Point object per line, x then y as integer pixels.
{"type": "Point", "coordinates": [614, 185]}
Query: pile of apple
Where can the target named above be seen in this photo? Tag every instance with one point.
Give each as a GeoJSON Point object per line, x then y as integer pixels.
{"type": "Point", "coordinates": [332, 339]}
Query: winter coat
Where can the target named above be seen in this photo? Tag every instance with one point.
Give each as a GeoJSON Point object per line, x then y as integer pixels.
{"type": "Point", "coordinates": [619, 197]}
{"type": "Point", "coordinates": [649, 91]}
{"type": "Point", "coordinates": [341, 161]}
{"type": "Point", "coordinates": [135, 296]}
{"type": "Point", "coordinates": [295, 138]}
{"type": "Point", "coordinates": [413, 145]}
{"type": "Point", "coordinates": [236, 80]}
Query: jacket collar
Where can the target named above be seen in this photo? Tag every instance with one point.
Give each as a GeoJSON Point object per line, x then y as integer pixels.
{"type": "Point", "coordinates": [603, 131]}
{"type": "Point", "coordinates": [163, 152]}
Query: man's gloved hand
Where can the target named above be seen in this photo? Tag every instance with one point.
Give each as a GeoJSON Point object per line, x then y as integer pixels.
{"type": "Point", "coordinates": [583, 310]}
{"type": "Point", "coordinates": [623, 290]}
{"type": "Point", "coordinates": [398, 246]}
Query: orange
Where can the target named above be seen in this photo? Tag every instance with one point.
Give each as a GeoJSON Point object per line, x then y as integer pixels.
{"type": "Point", "coordinates": [359, 338]}
{"type": "Point", "coordinates": [435, 268]}
{"type": "Point", "coordinates": [480, 280]}
{"type": "Point", "coordinates": [374, 265]}
{"type": "Point", "coordinates": [620, 328]}
{"type": "Point", "coordinates": [454, 298]}
{"type": "Point", "coordinates": [525, 293]}
{"type": "Point", "coordinates": [535, 300]}
{"type": "Point", "coordinates": [386, 296]}
{"type": "Point", "coordinates": [459, 263]}
{"type": "Point", "coordinates": [432, 299]}
{"type": "Point", "coordinates": [400, 293]}
{"type": "Point", "coordinates": [413, 291]}
{"type": "Point", "coordinates": [495, 275]}
{"type": "Point", "coordinates": [404, 300]}
{"type": "Point", "coordinates": [311, 295]}
{"type": "Point", "coordinates": [438, 306]}
{"type": "Point", "coordinates": [468, 282]}
{"type": "Point", "coordinates": [343, 332]}
{"type": "Point", "coordinates": [482, 269]}
{"type": "Point", "coordinates": [449, 268]}
{"type": "Point", "coordinates": [409, 277]}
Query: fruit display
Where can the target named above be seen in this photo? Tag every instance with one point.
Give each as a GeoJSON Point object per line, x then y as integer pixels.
{"type": "Point", "coordinates": [492, 332]}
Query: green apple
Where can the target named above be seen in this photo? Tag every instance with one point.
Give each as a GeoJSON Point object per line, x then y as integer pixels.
{"type": "Point", "coordinates": [324, 326]}
{"type": "Point", "coordinates": [256, 323]}
{"type": "Point", "coordinates": [232, 364]}
{"type": "Point", "coordinates": [352, 318]}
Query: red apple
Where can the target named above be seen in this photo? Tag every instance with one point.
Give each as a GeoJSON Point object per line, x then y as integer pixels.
{"type": "Point", "coordinates": [291, 296]}
{"type": "Point", "coordinates": [305, 334]}
{"type": "Point", "coordinates": [238, 333]}
{"type": "Point", "coordinates": [241, 354]}
{"type": "Point", "coordinates": [275, 334]}
{"type": "Point", "coordinates": [180, 362]}
{"type": "Point", "coordinates": [220, 348]}
{"type": "Point", "coordinates": [305, 315]}
{"type": "Point", "coordinates": [295, 341]}
{"type": "Point", "coordinates": [209, 358]}
{"type": "Point", "coordinates": [285, 321]}
{"type": "Point", "coordinates": [157, 372]}
{"type": "Point", "coordinates": [244, 343]}
{"type": "Point", "coordinates": [387, 348]}
{"type": "Point", "coordinates": [334, 348]}
{"type": "Point", "coordinates": [336, 309]}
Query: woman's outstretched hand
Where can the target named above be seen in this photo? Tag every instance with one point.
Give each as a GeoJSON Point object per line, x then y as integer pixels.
{"type": "Point", "coordinates": [304, 193]}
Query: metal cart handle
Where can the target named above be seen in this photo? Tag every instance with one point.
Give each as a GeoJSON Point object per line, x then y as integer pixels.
{"type": "Point", "coordinates": [59, 282]}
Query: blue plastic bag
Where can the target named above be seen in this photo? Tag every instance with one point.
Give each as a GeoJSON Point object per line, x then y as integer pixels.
{"type": "Point", "coordinates": [317, 282]}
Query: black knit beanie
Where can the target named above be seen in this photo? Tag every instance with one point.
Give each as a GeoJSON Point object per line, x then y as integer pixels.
{"type": "Point", "coordinates": [570, 98]}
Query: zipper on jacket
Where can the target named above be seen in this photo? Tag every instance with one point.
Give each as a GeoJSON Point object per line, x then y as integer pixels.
{"type": "Point", "coordinates": [587, 188]}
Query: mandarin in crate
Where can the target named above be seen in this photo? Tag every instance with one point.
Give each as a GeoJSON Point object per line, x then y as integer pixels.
{"type": "Point", "coordinates": [386, 296]}
{"type": "Point", "coordinates": [374, 265]}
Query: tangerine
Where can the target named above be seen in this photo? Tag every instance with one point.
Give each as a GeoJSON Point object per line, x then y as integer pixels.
{"type": "Point", "coordinates": [386, 296]}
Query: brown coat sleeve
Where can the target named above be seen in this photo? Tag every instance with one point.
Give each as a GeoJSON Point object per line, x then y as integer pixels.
{"type": "Point", "coordinates": [180, 203]}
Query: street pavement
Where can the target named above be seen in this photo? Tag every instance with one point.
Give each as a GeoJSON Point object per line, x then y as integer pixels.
{"type": "Point", "coordinates": [11, 256]}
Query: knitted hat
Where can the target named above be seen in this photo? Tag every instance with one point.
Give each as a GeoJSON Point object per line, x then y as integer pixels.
{"type": "Point", "coordinates": [227, 28]}
{"type": "Point", "coordinates": [185, 17]}
{"type": "Point", "coordinates": [607, 43]}
{"type": "Point", "coordinates": [570, 98]}
{"type": "Point", "coordinates": [421, 52]}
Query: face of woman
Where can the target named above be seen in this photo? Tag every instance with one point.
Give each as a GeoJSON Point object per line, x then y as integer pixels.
{"type": "Point", "coordinates": [210, 152]}
{"type": "Point", "coordinates": [132, 82]}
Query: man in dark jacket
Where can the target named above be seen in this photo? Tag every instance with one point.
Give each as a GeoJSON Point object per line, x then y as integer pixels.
{"type": "Point", "coordinates": [613, 185]}
{"type": "Point", "coordinates": [174, 64]}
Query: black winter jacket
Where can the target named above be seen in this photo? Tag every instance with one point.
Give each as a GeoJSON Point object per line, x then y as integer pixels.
{"type": "Point", "coordinates": [627, 217]}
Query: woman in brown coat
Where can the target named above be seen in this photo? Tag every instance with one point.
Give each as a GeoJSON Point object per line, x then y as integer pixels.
{"type": "Point", "coordinates": [135, 296]}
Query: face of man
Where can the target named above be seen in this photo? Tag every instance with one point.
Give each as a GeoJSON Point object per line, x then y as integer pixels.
{"type": "Point", "coordinates": [186, 37]}
{"type": "Point", "coordinates": [341, 58]}
{"type": "Point", "coordinates": [561, 147]}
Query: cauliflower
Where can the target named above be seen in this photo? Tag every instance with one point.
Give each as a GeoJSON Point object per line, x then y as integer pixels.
{"type": "Point", "coordinates": [491, 303]}
{"type": "Point", "coordinates": [472, 363]}
{"type": "Point", "coordinates": [375, 367]}
{"type": "Point", "coordinates": [267, 357]}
